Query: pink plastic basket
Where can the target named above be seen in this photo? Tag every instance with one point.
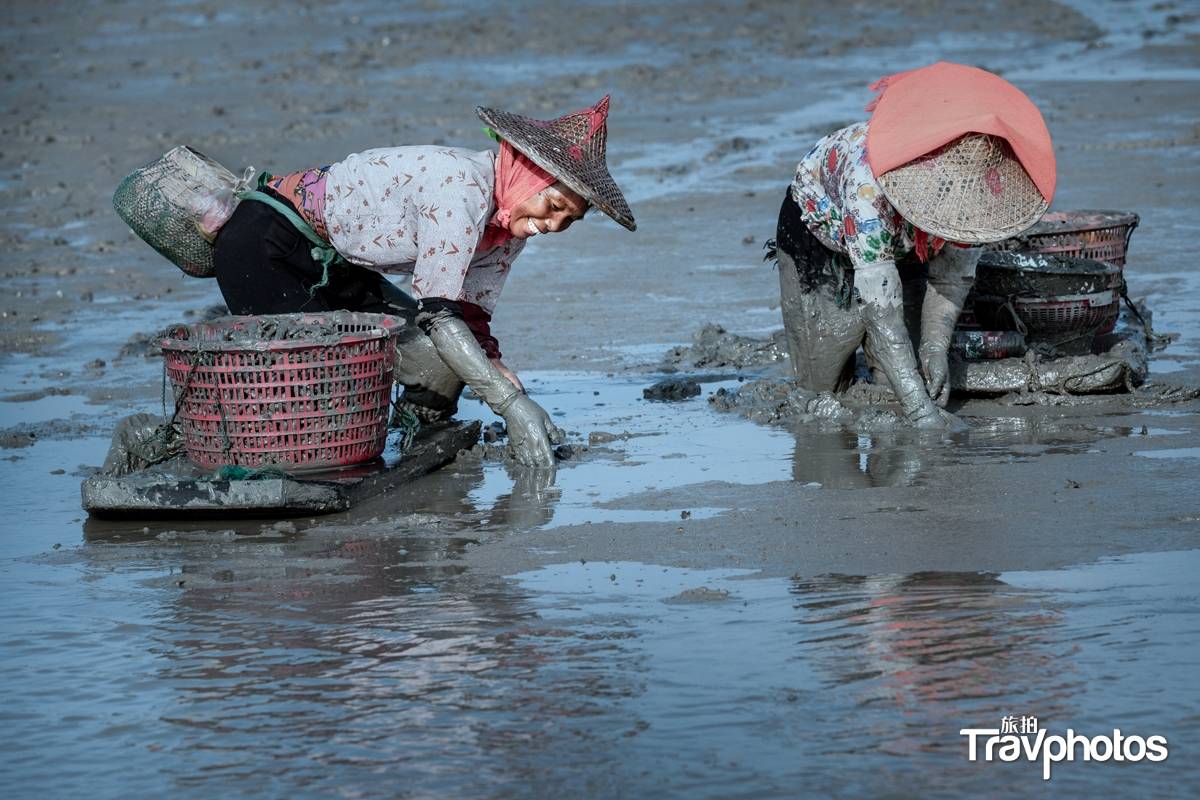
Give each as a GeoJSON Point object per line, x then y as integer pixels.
{"type": "Point", "coordinates": [297, 391]}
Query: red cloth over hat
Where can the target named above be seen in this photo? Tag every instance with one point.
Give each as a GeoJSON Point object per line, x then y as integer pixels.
{"type": "Point", "coordinates": [517, 180]}
{"type": "Point", "coordinates": [918, 111]}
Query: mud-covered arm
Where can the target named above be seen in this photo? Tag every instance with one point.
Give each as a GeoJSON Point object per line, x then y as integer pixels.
{"type": "Point", "coordinates": [477, 319]}
{"type": "Point", "coordinates": [951, 274]}
{"type": "Point", "coordinates": [529, 427]}
{"type": "Point", "coordinates": [878, 288]}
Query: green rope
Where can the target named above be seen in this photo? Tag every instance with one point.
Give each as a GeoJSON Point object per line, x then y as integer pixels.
{"type": "Point", "coordinates": [232, 472]}
{"type": "Point", "coordinates": [408, 423]}
{"type": "Point", "coordinates": [491, 134]}
{"type": "Point", "coordinates": [322, 251]}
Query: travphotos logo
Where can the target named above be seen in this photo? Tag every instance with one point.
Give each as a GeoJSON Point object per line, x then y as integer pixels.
{"type": "Point", "coordinates": [1021, 737]}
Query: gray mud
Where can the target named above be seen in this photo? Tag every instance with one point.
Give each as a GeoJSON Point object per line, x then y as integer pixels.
{"type": "Point", "coordinates": [672, 389]}
{"type": "Point", "coordinates": [713, 346]}
{"type": "Point", "coordinates": [493, 632]}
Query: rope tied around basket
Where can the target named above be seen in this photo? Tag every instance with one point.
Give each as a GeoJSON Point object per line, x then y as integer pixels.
{"type": "Point", "coordinates": [407, 422]}
{"type": "Point", "coordinates": [1010, 307]}
{"type": "Point", "coordinates": [233, 472]}
{"type": "Point", "coordinates": [1154, 340]}
{"type": "Point", "coordinates": [166, 441]}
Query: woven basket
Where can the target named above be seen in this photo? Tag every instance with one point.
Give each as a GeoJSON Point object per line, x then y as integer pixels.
{"type": "Point", "coordinates": [1098, 235]}
{"type": "Point", "coordinates": [1033, 275]}
{"type": "Point", "coordinates": [164, 201]}
{"type": "Point", "coordinates": [1062, 302]}
{"type": "Point", "coordinates": [298, 391]}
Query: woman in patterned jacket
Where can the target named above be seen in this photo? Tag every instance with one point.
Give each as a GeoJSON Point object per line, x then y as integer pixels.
{"type": "Point", "coordinates": [952, 157]}
{"type": "Point", "coordinates": [455, 220]}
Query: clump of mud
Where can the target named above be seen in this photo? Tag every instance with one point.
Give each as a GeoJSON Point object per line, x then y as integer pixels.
{"type": "Point", "coordinates": [775, 401]}
{"type": "Point", "coordinates": [142, 345]}
{"type": "Point", "coordinates": [701, 594]}
{"type": "Point", "coordinates": [672, 390]}
{"type": "Point", "coordinates": [149, 345]}
{"type": "Point", "coordinates": [325, 328]}
{"type": "Point", "coordinates": [713, 346]}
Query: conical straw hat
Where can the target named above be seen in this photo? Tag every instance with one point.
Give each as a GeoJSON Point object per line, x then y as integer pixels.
{"type": "Point", "coordinates": [972, 190]}
{"type": "Point", "coordinates": [571, 148]}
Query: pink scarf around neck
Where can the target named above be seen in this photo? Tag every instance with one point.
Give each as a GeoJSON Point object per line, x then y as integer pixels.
{"type": "Point", "coordinates": [517, 180]}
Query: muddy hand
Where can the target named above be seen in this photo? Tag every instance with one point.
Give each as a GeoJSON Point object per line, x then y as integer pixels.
{"type": "Point", "coordinates": [935, 365]}
{"type": "Point", "coordinates": [951, 273]}
{"type": "Point", "coordinates": [529, 432]}
{"type": "Point", "coordinates": [937, 419]}
{"type": "Point", "coordinates": [529, 427]}
{"type": "Point", "coordinates": [888, 339]}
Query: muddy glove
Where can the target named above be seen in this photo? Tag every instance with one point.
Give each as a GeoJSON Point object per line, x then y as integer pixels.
{"type": "Point", "coordinates": [888, 344]}
{"type": "Point", "coordinates": [892, 350]}
{"type": "Point", "coordinates": [529, 427]}
{"type": "Point", "coordinates": [951, 273]}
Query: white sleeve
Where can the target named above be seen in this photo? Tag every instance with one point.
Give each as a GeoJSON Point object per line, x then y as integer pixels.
{"type": "Point", "coordinates": [450, 220]}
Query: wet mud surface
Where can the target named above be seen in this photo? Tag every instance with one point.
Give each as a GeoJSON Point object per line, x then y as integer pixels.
{"type": "Point", "coordinates": [695, 603]}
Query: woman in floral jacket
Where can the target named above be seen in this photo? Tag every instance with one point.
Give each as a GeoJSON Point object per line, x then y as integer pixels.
{"type": "Point", "coordinates": [951, 157]}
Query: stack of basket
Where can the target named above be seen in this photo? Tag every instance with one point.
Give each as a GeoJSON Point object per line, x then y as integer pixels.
{"type": "Point", "coordinates": [1059, 284]}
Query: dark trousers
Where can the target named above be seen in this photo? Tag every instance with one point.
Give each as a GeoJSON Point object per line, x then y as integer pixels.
{"type": "Point", "coordinates": [263, 266]}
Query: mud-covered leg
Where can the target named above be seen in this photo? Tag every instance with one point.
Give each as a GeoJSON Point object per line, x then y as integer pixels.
{"type": "Point", "coordinates": [913, 278]}
{"type": "Point", "coordinates": [821, 336]}
{"type": "Point", "coordinates": [431, 388]}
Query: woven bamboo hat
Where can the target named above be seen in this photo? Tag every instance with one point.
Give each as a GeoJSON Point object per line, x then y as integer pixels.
{"type": "Point", "coordinates": [960, 152]}
{"type": "Point", "coordinates": [571, 148]}
{"type": "Point", "coordinates": [972, 190]}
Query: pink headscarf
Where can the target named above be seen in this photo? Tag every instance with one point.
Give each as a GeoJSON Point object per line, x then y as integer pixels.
{"type": "Point", "coordinates": [517, 180]}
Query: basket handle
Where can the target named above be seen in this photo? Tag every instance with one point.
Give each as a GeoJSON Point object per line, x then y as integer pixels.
{"type": "Point", "coordinates": [1129, 232]}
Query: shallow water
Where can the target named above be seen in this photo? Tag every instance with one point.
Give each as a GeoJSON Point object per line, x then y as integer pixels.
{"type": "Point", "coordinates": [361, 656]}
{"type": "Point", "coordinates": [353, 658]}
{"type": "Point", "coordinates": [356, 667]}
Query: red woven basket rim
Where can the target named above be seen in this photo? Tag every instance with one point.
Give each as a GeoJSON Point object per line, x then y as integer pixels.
{"type": "Point", "coordinates": [1082, 221]}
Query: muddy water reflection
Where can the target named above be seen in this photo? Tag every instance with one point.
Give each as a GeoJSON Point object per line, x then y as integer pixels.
{"type": "Point", "coordinates": [859, 685]}
{"type": "Point", "coordinates": [360, 658]}
{"type": "Point", "coordinates": [852, 460]}
{"type": "Point", "coordinates": [662, 446]}
{"type": "Point", "coordinates": [371, 665]}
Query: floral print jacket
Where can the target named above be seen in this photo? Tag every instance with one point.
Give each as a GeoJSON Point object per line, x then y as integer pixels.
{"type": "Point", "coordinates": [845, 208]}
{"type": "Point", "coordinates": [420, 210]}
